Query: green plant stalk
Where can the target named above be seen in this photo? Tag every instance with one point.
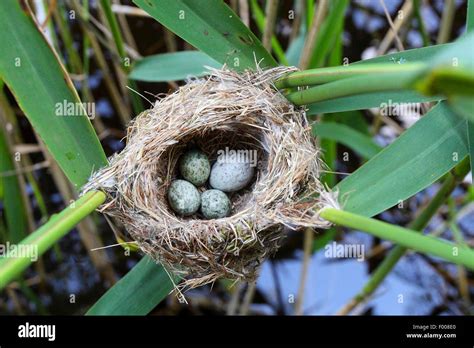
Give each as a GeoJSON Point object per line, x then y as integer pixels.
{"type": "Point", "coordinates": [330, 32]}
{"type": "Point", "coordinates": [324, 75]}
{"type": "Point", "coordinates": [335, 56]}
{"type": "Point", "coordinates": [37, 194]}
{"type": "Point", "coordinates": [421, 23]}
{"type": "Point", "coordinates": [14, 204]}
{"type": "Point", "coordinates": [74, 61]}
{"type": "Point", "coordinates": [354, 85]}
{"type": "Point", "coordinates": [462, 282]}
{"type": "Point", "coordinates": [418, 224]}
{"type": "Point", "coordinates": [114, 27]}
{"type": "Point", "coordinates": [119, 43]}
{"type": "Point", "coordinates": [49, 233]}
{"type": "Point", "coordinates": [405, 237]}
{"type": "Point", "coordinates": [260, 20]}
{"type": "Point", "coordinates": [309, 13]}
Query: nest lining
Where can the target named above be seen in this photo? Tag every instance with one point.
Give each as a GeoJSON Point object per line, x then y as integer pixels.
{"type": "Point", "coordinates": [226, 109]}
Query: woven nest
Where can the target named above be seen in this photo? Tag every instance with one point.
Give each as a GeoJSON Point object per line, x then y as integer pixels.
{"type": "Point", "coordinates": [226, 109]}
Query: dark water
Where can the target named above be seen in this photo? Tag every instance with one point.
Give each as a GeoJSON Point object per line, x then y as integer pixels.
{"type": "Point", "coordinates": [413, 288]}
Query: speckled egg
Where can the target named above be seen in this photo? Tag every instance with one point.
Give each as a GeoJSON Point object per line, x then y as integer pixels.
{"type": "Point", "coordinates": [231, 176]}
{"type": "Point", "coordinates": [215, 204]}
{"type": "Point", "coordinates": [194, 166]}
{"type": "Point", "coordinates": [184, 198]}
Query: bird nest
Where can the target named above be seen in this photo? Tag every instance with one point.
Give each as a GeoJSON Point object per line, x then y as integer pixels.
{"type": "Point", "coordinates": [240, 111]}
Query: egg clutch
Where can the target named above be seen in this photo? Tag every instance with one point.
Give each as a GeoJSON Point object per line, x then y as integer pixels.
{"type": "Point", "coordinates": [206, 189]}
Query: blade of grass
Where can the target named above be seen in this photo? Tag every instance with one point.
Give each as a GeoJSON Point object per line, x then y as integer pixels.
{"type": "Point", "coordinates": [336, 53]}
{"type": "Point", "coordinates": [421, 24]}
{"type": "Point", "coordinates": [293, 53]}
{"type": "Point", "coordinates": [354, 120]}
{"type": "Point", "coordinates": [15, 213]}
{"type": "Point", "coordinates": [27, 64]}
{"type": "Point", "coordinates": [331, 29]}
{"type": "Point", "coordinates": [309, 13]}
{"type": "Point", "coordinates": [213, 28]}
{"type": "Point", "coordinates": [454, 76]}
{"type": "Point", "coordinates": [419, 157]}
{"type": "Point", "coordinates": [422, 54]}
{"type": "Point", "coordinates": [114, 27]}
{"type": "Point", "coordinates": [148, 282]}
{"type": "Point", "coordinates": [329, 156]}
{"type": "Point", "coordinates": [172, 66]}
{"type": "Point", "coordinates": [360, 143]}
{"type": "Point", "coordinates": [451, 82]}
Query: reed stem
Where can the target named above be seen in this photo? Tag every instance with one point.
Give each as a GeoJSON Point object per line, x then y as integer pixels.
{"type": "Point", "coordinates": [43, 238]}
{"type": "Point", "coordinates": [405, 237]}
